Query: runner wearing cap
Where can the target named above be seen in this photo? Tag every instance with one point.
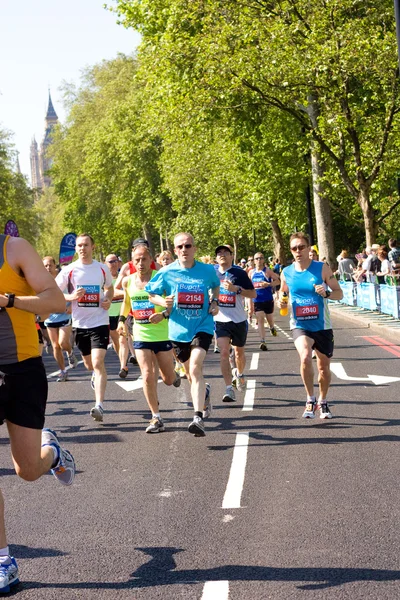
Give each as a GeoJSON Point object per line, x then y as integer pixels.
{"type": "Point", "coordinates": [231, 322]}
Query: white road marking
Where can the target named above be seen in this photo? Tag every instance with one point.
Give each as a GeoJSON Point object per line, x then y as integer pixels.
{"type": "Point", "coordinates": [228, 518]}
{"type": "Point", "coordinates": [233, 492]}
{"type": "Point", "coordinates": [130, 386]}
{"type": "Point", "coordinates": [248, 402]}
{"type": "Point", "coordinates": [340, 372]}
{"type": "Point", "coordinates": [289, 337]}
{"type": "Point", "coordinates": [216, 590]}
{"type": "Point", "coordinates": [68, 368]}
{"type": "Point", "coordinates": [254, 361]}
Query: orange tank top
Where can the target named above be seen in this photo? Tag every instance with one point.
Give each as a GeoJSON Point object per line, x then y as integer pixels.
{"type": "Point", "coordinates": [18, 335]}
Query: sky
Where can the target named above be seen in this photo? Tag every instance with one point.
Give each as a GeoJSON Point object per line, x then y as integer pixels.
{"type": "Point", "coordinates": [42, 44]}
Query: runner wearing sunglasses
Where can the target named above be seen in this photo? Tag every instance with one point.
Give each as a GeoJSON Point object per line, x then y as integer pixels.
{"type": "Point", "coordinates": [310, 283]}
{"type": "Point", "coordinates": [189, 291]}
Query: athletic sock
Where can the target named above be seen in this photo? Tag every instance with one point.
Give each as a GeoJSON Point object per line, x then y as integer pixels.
{"type": "Point", "coordinates": [311, 399]}
{"type": "Point", "coordinates": [198, 413]}
{"type": "Point", "coordinates": [156, 416]}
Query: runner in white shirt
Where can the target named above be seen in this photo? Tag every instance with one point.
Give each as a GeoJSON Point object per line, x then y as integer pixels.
{"type": "Point", "coordinates": [88, 286]}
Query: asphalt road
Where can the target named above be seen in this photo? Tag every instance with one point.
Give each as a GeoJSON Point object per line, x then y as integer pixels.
{"type": "Point", "coordinates": [267, 505]}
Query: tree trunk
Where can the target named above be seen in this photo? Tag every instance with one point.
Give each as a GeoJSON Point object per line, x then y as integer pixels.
{"type": "Point", "coordinates": [279, 247]}
{"type": "Point", "coordinates": [147, 235]}
{"type": "Point", "coordinates": [322, 207]}
{"type": "Point", "coordinates": [370, 223]}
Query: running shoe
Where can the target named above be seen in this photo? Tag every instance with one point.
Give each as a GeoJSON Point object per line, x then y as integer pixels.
{"type": "Point", "coordinates": [273, 331]}
{"type": "Point", "coordinates": [8, 575]}
{"type": "Point", "coordinates": [177, 382]}
{"type": "Point", "coordinates": [309, 412]}
{"type": "Point", "coordinates": [156, 426]}
{"type": "Point", "coordinates": [234, 377]}
{"type": "Point", "coordinates": [207, 402]}
{"type": "Point", "coordinates": [263, 346]}
{"type": "Point", "coordinates": [63, 376]}
{"type": "Point", "coordinates": [97, 413]}
{"type": "Point", "coordinates": [216, 350]}
{"type": "Point", "coordinates": [133, 360]}
{"type": "Point", "coordinates": [72, 360]}
{"type": "Point", "coordinates": [229, 395]}
{"type": "Point", "coordinates": [123, 374]}
{"type": "Point", "coordinates": [92, 380]}
{"type": "Point", "coordinates": [325, 413]}
{"type": "Point", "coordinates": [64, 470]}
{"type": "Point", "coordinates": [197, 427]}
{"type": "Point", "coordinates": [181, 371]}
{"type": "Point", "coordinates": [313, 354]}
{"type": "Point", "coordinates": [240, 382]}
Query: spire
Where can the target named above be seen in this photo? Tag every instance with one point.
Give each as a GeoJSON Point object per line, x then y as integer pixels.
{"type": "Point", "coordinates": [51, 113]}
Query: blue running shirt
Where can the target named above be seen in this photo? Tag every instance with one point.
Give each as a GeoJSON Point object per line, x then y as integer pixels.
{"type": "Point", "coordinates": [309, 309]}
{"type": "Point", "coordinates": [190, 288]}
{"type": "Point", "coordinates": [263, 294]}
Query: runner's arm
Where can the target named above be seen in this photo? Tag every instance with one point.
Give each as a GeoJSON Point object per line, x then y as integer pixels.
{"type": "Point", "coordinates": [331, 282]}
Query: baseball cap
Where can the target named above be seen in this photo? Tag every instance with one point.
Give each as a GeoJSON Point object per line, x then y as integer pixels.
{"type": "Point", "coordinates": [225, 246]}
{"type": "Point", "coordinates": [243, 260]}
{"type": "Point", "coordinates": [140, 242]}
{"type": "Point", "coordinates": [375, 247]}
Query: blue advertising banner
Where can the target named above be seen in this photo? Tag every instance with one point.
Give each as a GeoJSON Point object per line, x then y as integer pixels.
{"type": "Point", "coordinates": [366, 296]}
{"type": "Point", "coordinates": [67, 248]}
{"type": "Point", "coordinates": [390, 297]}
{"type": "Point", "coordinates": [349, 289]}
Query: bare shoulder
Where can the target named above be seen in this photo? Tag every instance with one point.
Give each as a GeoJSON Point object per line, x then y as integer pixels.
{"type": "Point", "coordinates": [19, 252]}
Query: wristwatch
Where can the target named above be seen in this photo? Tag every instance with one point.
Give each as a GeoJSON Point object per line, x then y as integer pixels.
{"type": "Point", "coordinates": [327, 293]}
{"type": "Point", "coordinates": [11, 298]}
{"type": "Point", "coordinates": [165, 314]}
{"type": "Point", "coordinates": [215, 300]}
{"type": "Point", "coordinates": [239, 290]}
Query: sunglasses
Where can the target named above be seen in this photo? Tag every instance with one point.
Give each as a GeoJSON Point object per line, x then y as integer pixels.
{"type": "Point", "coordinates": [187, 246]}
{"type": "Point", "coordinates": [112, 261]}
{"type": "Point", "coordinates": [299, 247]}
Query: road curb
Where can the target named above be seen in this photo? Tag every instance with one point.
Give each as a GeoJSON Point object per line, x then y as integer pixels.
{"type": "Point", "coordinates": [376, 323]}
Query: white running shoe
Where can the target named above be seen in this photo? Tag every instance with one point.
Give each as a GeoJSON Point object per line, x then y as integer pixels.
{"type": "Point", "coordinates": [325, 413]}
{"type": "Point", "coordinates": [63, 376]}
{"type": "Point", "coordinates": [64, 470]}
{"type": "Point", "coordinates": [72, 360]}
{"type": "Point", "coordinates": [8, 575]}
{"type": "Point", "coordinates": [97, 413]}
{"type": "Point", "coordinates": [197, 427]}
{"type": "Point", "coordinates": [155, 426]}
{"type": "Point", "coordinates": [309, 412]}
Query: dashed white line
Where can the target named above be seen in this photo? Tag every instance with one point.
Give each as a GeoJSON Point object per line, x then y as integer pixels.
{"type": "Point", "coordinates": [233, 492]}
{"type": "Point", "coordinates": [216, 590]}
{"type": "Point", "coordinates": [248, 402]}
{"type": "Point", "coordinates": [284, 332]}
{"type": "Point", "coordinates": [254, 361]}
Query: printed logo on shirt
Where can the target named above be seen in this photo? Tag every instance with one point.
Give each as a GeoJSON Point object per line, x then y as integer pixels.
{"type": "Point", "coordinates": [91, 298]}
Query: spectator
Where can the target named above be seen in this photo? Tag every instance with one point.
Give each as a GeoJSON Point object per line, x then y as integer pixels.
{"type": "Point", "coordinates": [385, 264]}
{"type": "Point", "coordinates": [345, 266]}
{"type": "Point", "coordinates": [394, 255]}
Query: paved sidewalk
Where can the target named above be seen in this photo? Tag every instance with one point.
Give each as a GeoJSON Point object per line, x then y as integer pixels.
{"type": "Point", "coordinates": [379, 323]}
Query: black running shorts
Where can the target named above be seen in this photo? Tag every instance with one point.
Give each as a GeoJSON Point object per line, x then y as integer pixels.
{"type": "Point", "coordinates": [323, 339]}
{"type": "Point", "coordinates": [113, 323]}
{"type": "Point", "coordinates": [23, 393]}
{"type": "Point", "coordinates": [267, 307]}
{"type": "Point", "coordinates": [183, 349]}
{"type": "Point", "coordinates": [236, 332]}
{"type": "Point", "coordinates": [89, 339]}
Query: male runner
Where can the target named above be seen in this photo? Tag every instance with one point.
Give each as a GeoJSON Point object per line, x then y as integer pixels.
{"type": "Point", "coordinates": [90, 289]}
{"type": "Point", "coordinates": [60, 330]}
{"type": "Point", "coordinates": [309, 283]}
{"type": "Point", "coordinates": [187, 283]}
{"type": "Point", "coordinates": [231, 321]}
{"type": "Point", "coordinates": [26, 289]}
{"type": "Point", "coordinates": [264, 281]}
{"type": "Point", "coordinates": [150, 332]}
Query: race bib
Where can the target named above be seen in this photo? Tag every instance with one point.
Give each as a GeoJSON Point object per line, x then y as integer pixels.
{"type": "Point", "coordinates": [91, 298]}
{"type": "Point", "coordinates": [190, 296]}
{"type": "Point", "coordinates": [305, 313]}
{"type": "Point", "coordinates": [142, 311]}
{"type": "Point", "coordinates": [258, 284]}
{"type": "Point", "coordinates": [227, 299]}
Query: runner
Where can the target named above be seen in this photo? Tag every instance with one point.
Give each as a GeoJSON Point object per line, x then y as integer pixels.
{"type": "Point", "coordinates": [113, 313]}
{"type": "Point", "coordinates": [165, 258]}
{"type": "Point", "coordinates": [186, 283]}
{"type": "Point", "coordinates": [60, 330]}
{"type": "Point", "coordinates": [89, 288]}
{"type": "Point", "coordinates": [264, 281]}
{"type": "Point", "coordinates": [307, 282]}
{"type": "Point", "coordinates": [150, 332]}
{"type": "Point", "coordinates": [231, 322]}
{"type": "Point", "coordinates": [26, 289]}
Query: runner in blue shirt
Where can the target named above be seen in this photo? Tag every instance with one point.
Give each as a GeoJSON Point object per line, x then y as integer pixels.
{"type": "Point", "coordinates": [184, 289]}
{"type": "Point", "coordinates": [309, 283]}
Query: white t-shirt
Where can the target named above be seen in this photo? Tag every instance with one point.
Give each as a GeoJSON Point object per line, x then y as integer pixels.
{"type": "Point", "coordinates": [86, 312]}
